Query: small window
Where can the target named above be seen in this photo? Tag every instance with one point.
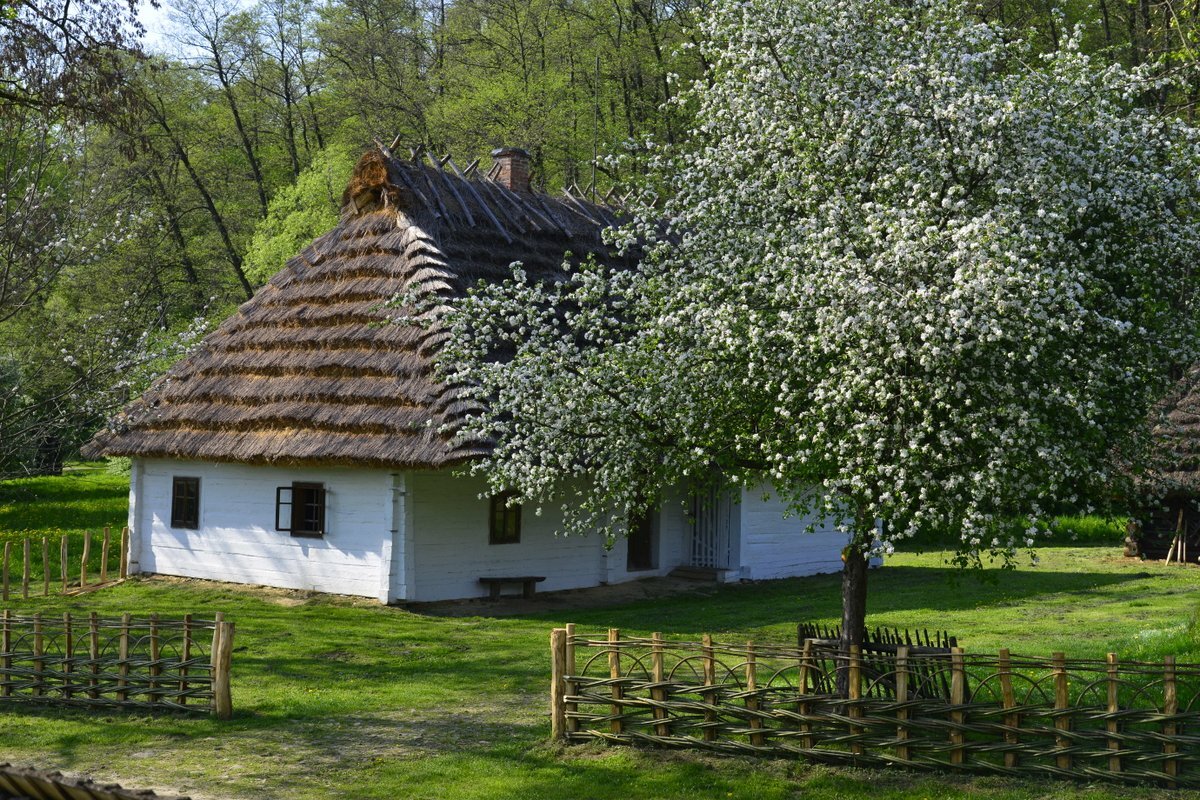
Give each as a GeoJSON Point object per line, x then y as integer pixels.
{"type": "Point", "coordinates": [185, 503]}
{"type": "Point", "coordinates": [300, 509]}
{"type": "Point", "coordinates": [505, 520]}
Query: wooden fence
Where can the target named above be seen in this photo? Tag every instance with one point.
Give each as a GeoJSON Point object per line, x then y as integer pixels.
{"type": "Point", "coordinates": [1011, 715]}
{"type": "Point", "coordinates": [95, 662]}
{"type": "Point", "coordinates": [31, 552]}
{"type": "Point", "coordinates": [28, 784]}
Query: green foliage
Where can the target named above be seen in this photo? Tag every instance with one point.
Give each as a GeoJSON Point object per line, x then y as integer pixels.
{"type": "Point", "coordinates": [299, 213]}
{"type": "Point", "coordinates": [119, 466]}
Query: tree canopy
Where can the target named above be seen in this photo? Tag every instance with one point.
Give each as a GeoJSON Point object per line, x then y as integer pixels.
{"type": "Point", "coordinates": [908, 268]}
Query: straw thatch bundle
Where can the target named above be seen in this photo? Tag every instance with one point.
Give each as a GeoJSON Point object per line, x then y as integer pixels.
{"type": "Point", "coordinates": [309, 372]}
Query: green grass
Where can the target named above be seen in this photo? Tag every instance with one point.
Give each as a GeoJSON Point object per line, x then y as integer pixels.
{"type": "Point", "coordinates": [336, 697]}
{"type": "Point", "coordinates": [84, 499]}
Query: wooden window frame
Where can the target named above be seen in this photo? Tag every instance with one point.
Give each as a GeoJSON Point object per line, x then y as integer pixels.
{"type": "Point", "coordinates": [179, 517]}
{"type": "Point", "coordinates": [294, 521]}
{"type": "Point", "coordinates": [504, 521]}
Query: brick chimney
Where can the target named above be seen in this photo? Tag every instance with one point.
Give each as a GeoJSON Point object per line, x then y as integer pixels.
{"type": "Point", "coordinates": [511, 168]}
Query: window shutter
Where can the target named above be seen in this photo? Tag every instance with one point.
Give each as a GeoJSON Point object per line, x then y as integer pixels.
{"type": "Point", "coordinates": [284, 508]}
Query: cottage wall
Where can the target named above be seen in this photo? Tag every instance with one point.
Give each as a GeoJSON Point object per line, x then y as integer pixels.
{"type": "Point", "coordinates": [451, 549]}
{"type": "Point", "coordinates": [774, 545]}
{"type": "Point", "coordinates": [237, 540]}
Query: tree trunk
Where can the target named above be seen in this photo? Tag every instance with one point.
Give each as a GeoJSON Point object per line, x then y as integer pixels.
{"type": "Point", "coordinates": [854, 594]}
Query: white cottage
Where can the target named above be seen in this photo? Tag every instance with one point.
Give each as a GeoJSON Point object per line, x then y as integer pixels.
{"type": "Point", "coordinates": [299, 445]}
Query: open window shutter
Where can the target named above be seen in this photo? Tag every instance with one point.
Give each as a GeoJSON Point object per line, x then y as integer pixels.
{"type": "Point", "coordinates": [284, 508]}
{"type": "Point", "coordinates": [321, 508]}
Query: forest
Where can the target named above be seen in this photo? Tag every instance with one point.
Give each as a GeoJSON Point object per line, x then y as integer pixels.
{"type": "Point", "coordinates": [145, 192]}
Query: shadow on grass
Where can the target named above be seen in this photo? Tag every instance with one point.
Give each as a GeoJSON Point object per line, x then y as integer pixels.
{"type": "Point", "coordinates": [891, 590]}
{"type": "Point", "coordinates": [70, 502]}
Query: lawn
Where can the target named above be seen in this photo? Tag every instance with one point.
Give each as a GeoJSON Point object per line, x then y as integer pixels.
{"type": "Point", "coordinates": [344, 698]}
{"type": "Point", "coordinates": [84, 499]}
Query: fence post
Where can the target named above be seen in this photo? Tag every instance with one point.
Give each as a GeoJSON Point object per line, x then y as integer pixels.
{"type": "Point", "coordinates": [7, 559]}
{"type": "Point", "coordinates": [39, 666]}
{"type": "Point", "coordinates": [222, 650]}
{"type": "Point", "coordinates": [1112, 726]}
{"type": "Point", "coordinates": [123, 655]}
{"type": "Point", "coordinates": [1170, 709]}
{"type": "Point", "coordinates": [68, 656]}
{"type": "Point", "coordinates": [63, 550]}
{"type": "Point", "coordinates": [94, 655]}
{"type": "Point", "coordinates": [806, 739]}
{"type": "Point", "coordinates": [1009, 699]}
{"type": "Point", "coordinates": [25, 573]}
{"type": "Point", "coordinates": [710, 696]}
{"type": "Point", "coordinates": [155, 667]}
{"type": "Point", "coordinates": [1062, 722]}
{"type": "Point", "coordinates": [854, 692]}
{"type": "Point", "coordinates": [83, 565]}
{"type": "Point", "coordinates": [752, 704]}
{"type": "Point", "coordinates": [104, 547]}
{"type": "Point", "coordinates": [45, 567]}
{"type": "Point", "coordinates": [902, 750]}
{"type": "Point", "coordinates": [124, 573]}
{"type": "Point", "coordinates": [658, 675]}
{"type": "Point", "coordinates": [958, 691]}
{"type": "Point", "coordinates": [558, 668]}
{"type": "Point", "coordinates": [571, 687]}
{"type": "Point", "coordinates": [184, 658]}
{"type": "Point", "coordinates": [6, 653]}
{"type": "Point", "coordinates": [617, 726]}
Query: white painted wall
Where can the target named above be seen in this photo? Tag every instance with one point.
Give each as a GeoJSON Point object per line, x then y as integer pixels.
{"type": "Point", "coordinates": [774, 545]}
{"type": "Point", "coordinates": [422, 536]}
{"type": "Point", "coordinates": [451, 549]}
{"type": "Point", "coordinates": [237, 540]}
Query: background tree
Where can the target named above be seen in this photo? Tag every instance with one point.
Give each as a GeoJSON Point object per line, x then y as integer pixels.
{"type": "Point", "coordinates": [922, 276]}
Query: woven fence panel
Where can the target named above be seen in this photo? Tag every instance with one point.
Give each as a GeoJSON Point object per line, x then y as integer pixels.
{"type": "Point", "coordinates": [1010, 715]}
{"type": "Point", "coordinates": [27, 784]}
{"type": "Point", "coordinates": [96, 662]}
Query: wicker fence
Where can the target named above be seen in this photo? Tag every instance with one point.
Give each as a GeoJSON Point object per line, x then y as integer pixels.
{"type": "Point", "coordinates": [913, 707]}
{"type": "Point", "coordinates": [37, 566]}
{"type": "Point", "coordinates": [95, 662]}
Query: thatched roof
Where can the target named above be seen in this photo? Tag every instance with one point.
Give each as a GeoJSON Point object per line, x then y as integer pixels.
{"type": "Point", "coordinates": [27, 784]}
{"type": "Point", "coordinates": [1176, 468]}
{"type": "Point", "coordinates": [305, 373]}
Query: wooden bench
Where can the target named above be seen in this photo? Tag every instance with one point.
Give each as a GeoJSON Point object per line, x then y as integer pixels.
{"type": "Point", "coordinates": [528, 583]}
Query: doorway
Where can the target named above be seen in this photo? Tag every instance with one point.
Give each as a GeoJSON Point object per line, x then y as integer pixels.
{"type": "Point", "coordinates": [640, 553]}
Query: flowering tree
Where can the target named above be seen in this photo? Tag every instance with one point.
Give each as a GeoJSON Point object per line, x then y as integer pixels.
{"type": "Point", "coordinates": [907, 271]}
